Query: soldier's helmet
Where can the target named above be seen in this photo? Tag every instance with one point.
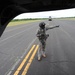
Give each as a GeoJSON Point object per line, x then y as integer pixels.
{"type": "Point", "coordinates": [42, 24]}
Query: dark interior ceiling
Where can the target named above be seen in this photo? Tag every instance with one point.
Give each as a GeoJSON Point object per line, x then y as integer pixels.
{"type": "Point", "coordinates": [11, 8]}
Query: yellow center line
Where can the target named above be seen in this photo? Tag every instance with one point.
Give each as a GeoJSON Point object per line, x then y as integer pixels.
{"type": "Point", "coordinates": [23, 62]}
{"type": "Point", "coordinates": [30, 61]}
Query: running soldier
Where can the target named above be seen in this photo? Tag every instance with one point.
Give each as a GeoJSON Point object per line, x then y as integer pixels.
{"type": "Point", "coordinates": [42, 36]}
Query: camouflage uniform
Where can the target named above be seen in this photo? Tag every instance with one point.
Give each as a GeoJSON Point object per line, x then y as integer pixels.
{"type": "Point", "coordinates": [42, 36]}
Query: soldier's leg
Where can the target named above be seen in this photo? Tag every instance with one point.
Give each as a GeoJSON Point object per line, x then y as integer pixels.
{"type": "Point", "coordinates": [43, 49]}
{"type": "Point", "coordinates": [39, 51]}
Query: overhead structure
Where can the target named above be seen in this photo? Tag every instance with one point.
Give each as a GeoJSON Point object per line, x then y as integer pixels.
{"type": "Point", "coordinates": [11, 8]}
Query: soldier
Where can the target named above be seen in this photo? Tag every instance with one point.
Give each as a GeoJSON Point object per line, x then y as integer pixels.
{"type": "Point", "coordinates": [42, 36]}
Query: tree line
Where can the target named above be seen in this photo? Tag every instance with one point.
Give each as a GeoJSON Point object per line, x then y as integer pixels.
{"type": "Point", "coordinates": [29, 19]}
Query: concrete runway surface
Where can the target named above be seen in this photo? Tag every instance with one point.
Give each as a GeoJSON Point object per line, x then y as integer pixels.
{"type": "Point", "coordinates": [19, 45]}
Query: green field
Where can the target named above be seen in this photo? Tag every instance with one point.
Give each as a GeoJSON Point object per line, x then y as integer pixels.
{"type": "Point", "coordinates": [14, 23]}
{"type": "Point", "coordinates": [69, 18]}
{"type": "Point", "coordinates": [66, 18]}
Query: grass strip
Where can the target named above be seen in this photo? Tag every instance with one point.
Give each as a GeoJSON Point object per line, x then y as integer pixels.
{"type": "Point", "coordinates": [14, 23]}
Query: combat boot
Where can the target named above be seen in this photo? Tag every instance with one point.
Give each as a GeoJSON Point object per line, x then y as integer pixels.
{"type": "Point", "coordinates": [44, 55]}
{"type": "Point", "coordinates": [39, 58]}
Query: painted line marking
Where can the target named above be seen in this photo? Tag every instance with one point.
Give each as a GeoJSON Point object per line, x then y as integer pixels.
{"type": "Point", "coordinates": [24, 61]}
{"type": "Point", "coordinates": [30, 61]}
{"type": "Point", "coordinates": [15, 35]}
{"type": "Point", "coordinates": [13, 67]}
{"type": "Point", "coordinates": [11, 36]}
{"type": "Point", "coordinates": [28, 47]}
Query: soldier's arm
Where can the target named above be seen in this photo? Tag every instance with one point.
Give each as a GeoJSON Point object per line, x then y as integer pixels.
{"type": "Point", "coordinates": [51, 27]}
